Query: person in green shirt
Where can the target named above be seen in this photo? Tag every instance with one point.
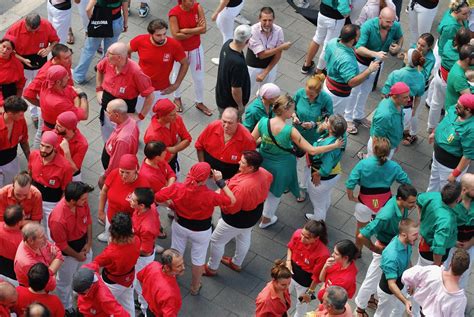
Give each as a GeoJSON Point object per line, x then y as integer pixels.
{"type": "Point", "coordinates": [261, 107]}
{"type": "Point", "coordinates": [453, 143]}
{"type": "Point", "coordinates": [395, 260]}
{"type": "Point", "coordinates": [438, 227]}
{"type": "Point", "coordinates": [385, 228]}
{"type": "Point", "coordinates": [457, 84]}
{"type": "Point", "coordinates": [453, 19]}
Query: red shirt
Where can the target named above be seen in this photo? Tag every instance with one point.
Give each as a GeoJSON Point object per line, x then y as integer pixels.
{"type": "Point", "coordinates": [29, 43]}
{"type": "Point", "coordinates": [211, 140]}
{"type": "Point", "coordinates": [123, 140]}
{"type": "Point", "coordinates": [169, 136]}
{"type": "Point", "coordinates": [269, 303]}
{"type": "Point", "coordinates": [78, 146]}
{"type": "Point", "coordinates": [345, 278]}
{"type": "Point", "coordinates": [120, 268]}
{"type": "Point", "coordinates": [192, 202]}
{"type": "Point", "coordinates": [18, 135]}
{"type": "Point", "coordinates": [10, 239]}
{"type": "Point", "coordinates": [26, 297]}
{"type": "Point", "coordinates": [157, 61]}
{"type": "Point", "coordinates": [187, 20]}
{"type": "Point", "coordinates": [53, 103]}
{"type": "Point", "coordinates": [250, 190]}
{"type": "Point", "coordinates": [157, 176]}
{"type": "Point", "coordinates": [4, 311]}
{"type": "Point", "coordinates": [11, 72]}
{"type": "Point", "coordinates": [32, 91]}
{"type": "Point", "coordinates": [146, 226]}
{"type": "Point", "coordinates": [310, 257]}
{"type": "Point", "coordinates": [55, 174]}
{"type": "Point", "coordinates": [66, 225]}
{"type": "Point", "coordinates": [26, 257]}
{"type": "Point", "coordinates": [160, 290]}
{"type": "Point", "coordinates": [128, 84]}
{"type": "Point", "coordinates": [100, 302]}
{"type": "Point", "coordinates": [32, 205]}
{"type": "Point", "coordinates": [119, 193]}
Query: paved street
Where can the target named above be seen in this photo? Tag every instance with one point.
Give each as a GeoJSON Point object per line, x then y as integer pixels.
{"type": "Point", "coordinates": [230, 293]}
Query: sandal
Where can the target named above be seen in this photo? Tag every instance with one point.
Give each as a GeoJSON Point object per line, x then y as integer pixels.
{"type": "Point", "coordinates": [373, 303]}
{"type": "Point", "coordinates": [202, 107]}
{"type": "Point", "coordinates": [179, 104]}
{"type": "Point", "coordinates": [196, 292]}
{"type": "Point", "coordinates": [352, 129]}
{"type": "Point", "coordinates": [162, 235]}
{"type": "Point", "coordinates": [227, 261]}
{"type": "Point", "coordinates": [70, 38]}
{"type": "Point", "coordinates": [409, 140]}
{"type": "Point", "coordinates": [302, 197]}
{"type": "Point", "coordinates": [208, 272]}
{"type": "Point", "coordinates": [361, 312]}
{"type": "Point", "coordinates": [361, 156]}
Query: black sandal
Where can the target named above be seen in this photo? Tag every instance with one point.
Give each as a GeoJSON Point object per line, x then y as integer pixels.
{"type": "Point", "coordinates": [361, 312]}
{"type": "Point", "coordinates": [409, 140]}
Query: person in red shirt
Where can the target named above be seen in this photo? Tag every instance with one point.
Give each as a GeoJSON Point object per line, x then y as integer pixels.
{"type": "Point", "coordinates": [334, 303]}
{"type": "Point", "coordinates": [250, 187]}
{"type": "Point", "coordinates": [119, 270]}
{"type": "Point", "coordinates": [12, 76]}
{"type": "Point", "coordinates": [160, 288]}
{"type": "Point", "coordinates": [117, 190]}
{"type": "Point", "coordinates": [306, 256]}
{"type": "Point", "coordinates": [50, 172]}
{"type": "Point", "coordinates": [73, 144]}
{"type": "Point", "coordinates": [120, 77]}
{"type": "Point", "coordinates": [8, 298]}
{"type": "Point", "coordinates": [222, 143]}
{"type": "Point", "coordinates": [157, 53]}
{"type": "Point", "coordinates": [274, 299]}
{"type": "Point", "coordinates": [10, 239]}
{"type": "Point", "coordinates": [168, 127]}
{"type": "Point", "coordinates": [22, 193]}
{"type": "Point", "coordinates": [193, 203]}
{"type": "Point", "coordinates": [38, 277]}
{"type": "Point", "coordinates": [36, 248]}
{"type": "Point", "coordinates": [187, 23]}
{"type": "Point", "coordinates": [146, 226]}
{"type": "Point", "coordinates": [70, 224]}
{"type": "Point", "coordinates": [13, 131]}
{"type": "Point", "coordinates": [155, 168]}
{"type": "Point", "coordinates": [94, 297]}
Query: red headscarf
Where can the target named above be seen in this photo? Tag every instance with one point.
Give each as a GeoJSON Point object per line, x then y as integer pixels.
{"type": "Point", "coordinates": [163, 107]}
{"type": "Point", "coordinates": [55, 73]}
{"type": "Point", "coordinates": [198, 173]}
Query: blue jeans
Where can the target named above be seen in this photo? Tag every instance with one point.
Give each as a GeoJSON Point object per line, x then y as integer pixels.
{"type": "Point", "coordinates": [91, 45]}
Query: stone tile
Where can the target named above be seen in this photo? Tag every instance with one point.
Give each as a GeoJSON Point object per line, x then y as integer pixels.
{"type": "Point", "coordinates": [235, 302]}
{"type": "Point", "coordinates": [260, 245]}
{"type": "Point", "coordinates": [200, 306]}
{"type": "Point", "coordinates": [260, 268]}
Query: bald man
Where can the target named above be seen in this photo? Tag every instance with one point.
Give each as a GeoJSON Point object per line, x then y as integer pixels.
{"type": "Point", "coordinates": [120, 77]}
{"type": "Point", "coordinates": [8, 298]}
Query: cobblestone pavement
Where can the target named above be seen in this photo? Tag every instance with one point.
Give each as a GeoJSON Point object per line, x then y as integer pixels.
{"type": "Point", "coordinates": [230, 293]}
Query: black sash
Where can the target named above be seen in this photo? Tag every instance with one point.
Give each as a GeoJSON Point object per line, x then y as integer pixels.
{"type": "Point", "coordinates": [228, 170]}
{"type": "Point", "coordinates": [66, 5]}
{"type": "Point", "coordinates": [383, 284]}
{"type": "Point", "coordinates": [36, 61]}
{"type": "Point", "coordinates": [174, 164]}
{"type": "Point", "coordinates": [244, 219]}
{"type": "Point", "coordinates": [77, 245]}
{"type": "Point", "coordinates": [8, 155]}
{"type": "Point", "coordinates": [364, 60]}
{"type": "Point", "coordinates": [105, 159]}
{"type": "Point", "coordinates": [445, 158]}
{"type": "Point", "coordinates": [49, 194]}
{"type": "Point", "coordinates": [253, 61]}
{"type": "Point", "coordinates": [107, 97]}
{"type": "Point", "coordinates": [195, 225]}
{"type": "Point", "coordinates": [301, 276]}
{"type": "Point", "coordinates": [6, 268]}
{"type": "Point", "coordinates": [8, 90]}
{"type": "Point", "coordinates": [330, 12]}
{"type": "Point", "coordinates": [465, 233]}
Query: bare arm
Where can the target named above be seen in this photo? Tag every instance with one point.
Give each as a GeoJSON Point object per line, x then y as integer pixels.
{"type": "Point", "coordinates": [147, 104]}
{"type": "Point", "coordinates": [183, 69]}
{"type": "Point", "coordinates": [268, 69]}
{"type": "Point", "coordinates": [200, 155]}
{"type": "Point", "coordinates": [359, 79]}
{"type": "Point", "coordinates": [273, 51]}
{"type": "Point", "coordinates": [201, 27]}
{"type": "Point", "coordinates": [220, 7]}
{"type": "Point", "coordinates": [288, 260]}
{"type": "Point", "coordinates": [55, 265]}
{"type": "Point", "coordinates": [25, 147]}
{"type": "Point", "coordinates": [175, 31]}
{"type": "Point", "coordinates": [392, 285]}
{"type": "Point", "coordinates": [90, 7]}
{"type": "Point", "coordinates": [102, 200]}
{"type": "Point", "coordinates": [301, 142]}
{"type": "Point", "coordinates": [178, 147]}
{"type": "Point", "coordinates": [99, 79]}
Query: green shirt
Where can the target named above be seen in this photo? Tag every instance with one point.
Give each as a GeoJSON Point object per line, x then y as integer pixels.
{"type": "Point", "coordinates": [464, 217]}
{"type": "Point", "coordinates": [438, 223]}
{"type": "Point", "coordinates": [385, 224]}
{"type": "Point", "coordinates": [447, 28]}
{"type": "Point", "coordinates": [454, 136]}
{"type": "Point", "coordinates": [328, 160]}
{"type": "Point", "coordinates": [370, 35]}
{"type": "Point", "coordinates": [343, 6]}
{"type": "Point", "coordinates": [314, 111]}
{"type": "Point", "coordinates": [456, 83]}
{"type": "Point", "coordinates": [395, 259]}
{"type": "Point", "coordinates": [450, 55]}
{"type": "Point", "coordinates": [410, 76]}
{"type": "Point", "coordinates": [370, 174]}
{"type": "Point", "coordinates": [254, 112]}
{"type": "Point", "coordinates": [388, 122]}
{"type": "Point", "coordinates": [341, 62]}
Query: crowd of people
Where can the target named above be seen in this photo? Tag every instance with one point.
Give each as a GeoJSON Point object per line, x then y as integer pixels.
{"type": "Point", "coordinates": [258, 149]}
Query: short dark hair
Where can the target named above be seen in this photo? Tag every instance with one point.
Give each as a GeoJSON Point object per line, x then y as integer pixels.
{"type": "Point", "coordinates": [155, 25]}
{"type": "Point", "coordinates": [168, 256]}
{"type": "Point", "coordinates": [15, 104]}
{"type": "Point", "coordinates": [58, 49]}
{"type": "Point", "coordinates": [23, 179]}
{"type": "Point", "coordinates": [347, 248]}
{"type": "Point", "coordinates": [466, 51]}
{"type": "Point", "coordinates": [12, 215]}
{"type": "Point", "coordinates": [349, 32]}
{"type": "Point", "coordinates": [428, 38]}
{"type": "Point", "coordinates": [33, 20]}
{"type": "Point", "coordinates": [121, 227]}
{"type": "Point", "coordinates": [266, 10]}
{"type": "Point", "coordinates": [38, 276]}
{"type": "Point", "coordinates": [253, 158]}
{"type": "Point", "coordinates": [317, 228]}
{"type": "Point", "coordinates": [154, 149]}
{"type": "Point", "coordinates": [74, 190]}
{"type": "Point", "coordinates": [450, 192]}
{"type": "Point", "coordinates": [406, 190]}
{"type": "Point", "coordinates": [460, 262]}
{"type": "Point", "coordinates": [145, 196]}
{"type": "Point", "coordinates": [462, 37]}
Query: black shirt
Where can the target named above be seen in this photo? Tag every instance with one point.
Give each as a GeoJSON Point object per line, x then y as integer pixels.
{"type": "Point", "coordinates": [232, 72]}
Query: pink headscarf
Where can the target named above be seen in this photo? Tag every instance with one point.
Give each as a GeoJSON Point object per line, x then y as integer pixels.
{"type": "Point", "coordinates": [399, 88]}
{"type": "Point", "coordinates": [467, 101]}
{"type": "Point", "coordinates": [269, 91]}
{"type": "Point", "coordinates": [68, 120]}
{"type": "Point", "coordinates": [51, 138]}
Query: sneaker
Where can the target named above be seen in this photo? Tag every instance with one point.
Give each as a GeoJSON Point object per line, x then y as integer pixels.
{"type": "Point", "coordinates": [240, 19]}
{"type": "Point", "coordinates": [159, 249]}
{"type": "Point", "coordinates": [268, 224]}
{"type": "Point", "coordinates": [215, 61]}
{"type": "Point", "coordinates": [301, 3]}
{"type": "Point", "coordinates": [363, 122]}
{"type": "Point", "coordinates": [103, 237]}
{"type": "Point", "coordinates": [308, 216]}
{"type": "Point", "coordinates": [144, 10]}
{"type": "Point", "coordinates": [351, 128]}
{"type": "Point", "coordinates": [306, 69]}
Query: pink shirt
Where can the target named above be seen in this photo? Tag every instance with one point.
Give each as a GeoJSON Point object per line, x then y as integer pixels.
{"type": "Point", "coordinates": [124, 140]}
{"type": "Point", "coordinates": [431, 294]}
{"type": "Point", "coordinates": [259, 42]}
{"type": "Point", "coordinates": [322, 312]}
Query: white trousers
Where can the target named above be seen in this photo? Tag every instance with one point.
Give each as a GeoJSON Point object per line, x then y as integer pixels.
{"type": "Point", "coordinates": [465, 276]}
{"type": "Point", "coordinates": [77, 178]}
{"type": "Point", "coordinates": [302, 170]}
{"type": "Point", "coordinates": [439, 176]}
{"type": "Point", "coordinates": [411, 123]}
{"type": "Point", "coordinates": [326, 30]}
{"type": "Point", "coordinates": [64, 278]}
{"type": "Point", "coordinates": [61, 21]}
{"type": "Point", "coordinates": [81, 7]}
{"type": "Point", "coordinates": [107, 128]}
{"type": "Point", "coordinates": [196, 66]}
{"type": "Point", "coordinates": [47, 208]}
{"type": "Point", "coordinates": [339, 104]}
{"type": "Point", "coordinates": [8, 172]}
{"type": "Point", "coordinates": [356, 9]}
{"type": "Point", "coordinates": [420, 20]}
{"type": "Point", "coordinates": [199, 242]}
{"type": "Point", "coordinates": [437, 100]}
{"type": "Point", "coordinates": [320, 196]}
{"type": "Point", "coordinates": [39, 131]}
{"type": "Point", "coordinates": [270, 206]}
{"type": "Point", "coordinates": [370, 283]}
{"type": "Point", "coordinates": [225, 21]}
{"type": "Point", "coordinates": [370, 150]}
{"type": "Point", "coordinates": [158, 95]}
{"type": "Point", "coordinates": [301, 308]}
{"type": "Point", "coordinates": [9, 280]}
{"type": "Point", "coordinates": [141, 263]}
{"type": "Point", "coordinates": [254, 85]}
{"type": "Point", "coordinates": [123, 295]}
{"type": "Point", "coordinates": [362, 213]}
{"type": "Point", "coordinates": [434, 71]}
{"type": "Point", "coordinates": [222, 234]}
{"type": "Point", "coordinates": [30, 75]}
{"type": "Point", "coordinates": [389, 305]}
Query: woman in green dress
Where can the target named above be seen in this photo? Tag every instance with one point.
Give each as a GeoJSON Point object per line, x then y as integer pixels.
{"type": "Point", "coordinates": [261, 107]}
{"type": "Point", "coordinates": [277, 155]}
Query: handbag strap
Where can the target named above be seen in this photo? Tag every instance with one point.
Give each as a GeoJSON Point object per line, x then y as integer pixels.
{"type": "Point", "coordinates": [273, 138]}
